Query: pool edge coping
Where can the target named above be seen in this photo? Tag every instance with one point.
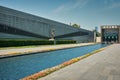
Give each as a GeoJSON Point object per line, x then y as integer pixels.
{"type": "Point", "coordinates": [15, 54]}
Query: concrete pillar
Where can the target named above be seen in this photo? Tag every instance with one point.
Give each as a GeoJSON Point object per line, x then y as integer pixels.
{"type": "Point", "coordinates": [94, 36]}
{"type": "Point", "coordinates": [101, 35]}
{"type": "Point", "coordinates": [119, 34]}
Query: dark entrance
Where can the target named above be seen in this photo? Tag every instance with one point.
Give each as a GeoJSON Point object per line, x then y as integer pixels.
{"type": "Point", "coordinates": [110, 35]}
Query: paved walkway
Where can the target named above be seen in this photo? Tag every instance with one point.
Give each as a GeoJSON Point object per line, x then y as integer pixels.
{"type": "Point", "coordinates": [24, 50]}
{"type": "Point", "coordinates": [104, 65]}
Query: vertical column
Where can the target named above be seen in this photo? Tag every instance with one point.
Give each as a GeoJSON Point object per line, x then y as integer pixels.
{"type": "Point", "coordinates": [119, 34]}
{"type": "Point", "coordinates": [101, 35]}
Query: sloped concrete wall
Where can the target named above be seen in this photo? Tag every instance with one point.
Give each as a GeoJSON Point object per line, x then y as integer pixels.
{"type": "Point", "coordinates": [37, 25]}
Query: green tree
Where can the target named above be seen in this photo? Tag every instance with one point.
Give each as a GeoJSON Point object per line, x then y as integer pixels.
{"type": "Point", "coordinates": [98, 34]}
{"type": "Point", "coordinates": [76, 25]}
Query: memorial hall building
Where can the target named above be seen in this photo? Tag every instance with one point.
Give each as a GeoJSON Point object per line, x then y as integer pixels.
{"type": "Point", "coordinates": [16, 24]}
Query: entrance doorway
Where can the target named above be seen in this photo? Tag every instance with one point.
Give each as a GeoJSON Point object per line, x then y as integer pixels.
{"type": "Point", "coordinates": [110, 36]}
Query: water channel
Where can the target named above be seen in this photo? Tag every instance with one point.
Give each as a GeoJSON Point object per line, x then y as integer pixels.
{"type": "Point", "coordinates": [15, 68]}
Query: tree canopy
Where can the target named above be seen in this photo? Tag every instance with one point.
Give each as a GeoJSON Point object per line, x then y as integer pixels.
{"type": "Point", "coordinates": [76, 25]}
{"type": "Point", "coordinates": [98, 34]}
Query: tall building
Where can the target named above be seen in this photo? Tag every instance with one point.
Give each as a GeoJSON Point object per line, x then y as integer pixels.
{"type": "Point", "coordinates": [20, 25]}
{"type": "Point", "coordinates": [110, 33]}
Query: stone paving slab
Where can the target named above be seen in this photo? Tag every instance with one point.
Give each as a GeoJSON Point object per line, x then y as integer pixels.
{"type": "Point", "coordinates": [104, 65]}
{"type": "Point", "coordinates": [20, 51]}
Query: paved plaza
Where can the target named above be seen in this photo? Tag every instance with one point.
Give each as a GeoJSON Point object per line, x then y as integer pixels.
{"type": "Point", "coordinates": [104, 65]}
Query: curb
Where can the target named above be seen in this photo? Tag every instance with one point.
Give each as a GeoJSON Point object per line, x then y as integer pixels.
{"type": "Point", "coordinates": [15, 54]}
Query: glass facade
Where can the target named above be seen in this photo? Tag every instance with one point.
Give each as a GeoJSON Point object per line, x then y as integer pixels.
{"type": "Point", "coordinates": [110, 33]}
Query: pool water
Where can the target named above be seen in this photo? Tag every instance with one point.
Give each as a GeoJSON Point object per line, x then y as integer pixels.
{"type": "Point", "coordinates": [15, 68]}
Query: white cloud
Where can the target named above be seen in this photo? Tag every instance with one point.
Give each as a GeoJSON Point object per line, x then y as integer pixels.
{"type": "Point", "coordinates": [111, 4]}
{"type": "Point", "coordinates": [114, 5]}
{"type": "Point", "coordinates": [106, 1]}
{"type": "Point", "coordinates": [73, 4]}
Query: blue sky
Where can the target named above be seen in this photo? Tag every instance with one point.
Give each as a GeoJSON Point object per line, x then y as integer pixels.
{"type": "Point", "coordinates": [87, 13]}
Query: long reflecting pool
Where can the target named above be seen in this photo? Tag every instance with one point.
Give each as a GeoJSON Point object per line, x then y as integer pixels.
{"type": "Point", "coordinates": [15, 68]}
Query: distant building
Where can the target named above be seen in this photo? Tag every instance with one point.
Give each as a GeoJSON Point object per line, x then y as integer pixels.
{"type": "Point", "coordinates": [20, 25]}
{"type": "Point", "coordinates": [110, 33]}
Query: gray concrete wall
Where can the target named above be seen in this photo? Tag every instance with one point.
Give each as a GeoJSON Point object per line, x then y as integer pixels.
{"type": "Point", "coordinates": [36, 25]}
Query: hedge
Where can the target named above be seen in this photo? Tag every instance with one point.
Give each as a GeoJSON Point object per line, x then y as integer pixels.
{"type": "Point", "coordinates": [65, 41]}
{"type": "Point", "coordinates": [12, 43]}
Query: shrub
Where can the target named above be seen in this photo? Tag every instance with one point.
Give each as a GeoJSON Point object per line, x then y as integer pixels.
{"type": "Point", "coordinates": [22, 42]}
